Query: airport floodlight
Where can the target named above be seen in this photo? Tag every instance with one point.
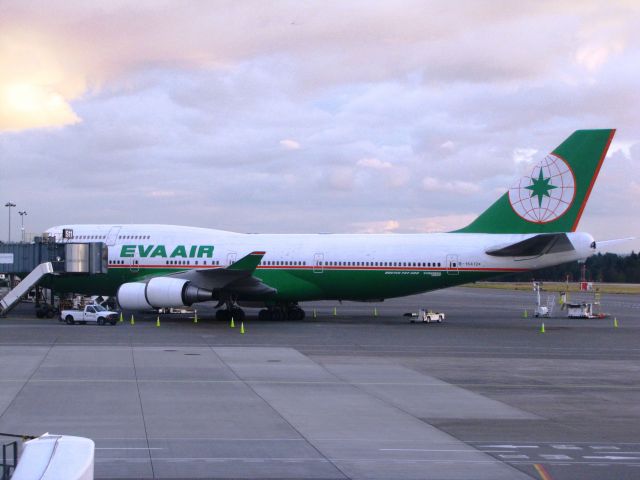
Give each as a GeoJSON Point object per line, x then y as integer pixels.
{"type": "Point", "coordinates": [9, 205]}
{"type": "Point", "coordinates": [22, 214]}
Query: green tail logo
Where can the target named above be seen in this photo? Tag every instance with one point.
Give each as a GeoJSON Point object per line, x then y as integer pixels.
{"type": "Point", "coordinates": [552, 196]}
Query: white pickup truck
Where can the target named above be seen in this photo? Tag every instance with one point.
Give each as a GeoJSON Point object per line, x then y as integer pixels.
{"type": "Point", "coordinates": [426, 316]}
{"type": "Point", "coordinates": [91, 313]}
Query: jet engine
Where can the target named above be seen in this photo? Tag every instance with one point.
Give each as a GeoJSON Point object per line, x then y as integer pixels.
{"type": "Point", "coordinates": [160, 292]}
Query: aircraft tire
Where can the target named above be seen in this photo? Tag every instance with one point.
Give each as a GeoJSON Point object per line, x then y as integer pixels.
{"type": "Point", "coordinates": [238, 314]}
{"type": "Point", "coordinates": [296, 313]}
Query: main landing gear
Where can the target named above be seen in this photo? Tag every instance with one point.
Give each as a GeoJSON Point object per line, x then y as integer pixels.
{"type": "Point", "coordinates": [226, 314]}
{"type": "Point", "coordinates": [285, 311]}
{"type": "Point", "coordinates": [282, 312]}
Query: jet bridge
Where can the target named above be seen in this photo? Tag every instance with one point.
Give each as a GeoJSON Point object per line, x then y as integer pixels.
{"type": "Point", "coordinates": [32, 261]}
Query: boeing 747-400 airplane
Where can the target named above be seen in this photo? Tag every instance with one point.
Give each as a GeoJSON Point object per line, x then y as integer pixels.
{"type": "Point", "coordinates": [533, 225]}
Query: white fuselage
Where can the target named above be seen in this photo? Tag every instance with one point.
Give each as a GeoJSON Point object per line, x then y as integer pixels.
{"type": "Point", "coordinates": [462, 251]}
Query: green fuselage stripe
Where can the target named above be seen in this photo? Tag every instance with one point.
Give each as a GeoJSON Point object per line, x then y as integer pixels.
{"type": "Point", "coordinates": [298, 283]}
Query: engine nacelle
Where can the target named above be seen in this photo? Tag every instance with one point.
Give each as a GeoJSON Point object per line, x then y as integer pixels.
{"type": "Point", "coordinates": [131, 296]}
{"type": "Point", "coordinates": [160, 292]}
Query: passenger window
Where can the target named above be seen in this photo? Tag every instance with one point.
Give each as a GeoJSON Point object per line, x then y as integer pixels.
{"type": "Point", "coordinates": [91, 310]}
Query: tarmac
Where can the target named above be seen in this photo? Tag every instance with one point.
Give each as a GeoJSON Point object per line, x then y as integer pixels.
{"type": "Point", "coordinates": [484, 395]}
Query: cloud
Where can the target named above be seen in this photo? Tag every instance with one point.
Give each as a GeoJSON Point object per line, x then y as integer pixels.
{"type": "Point", "coordinates": [35, 89]}
{"type": "Point", "coordinates": [385, 226]}
{"type": "Point", "coordinates": [413, 111]}
{"type": "Point", "coordinates": [441, 223]}
{"type": "Point", "coordinates": [593, 57]}
{"type": "Point", "coordinates": [373, 163]}
{"type": "Point", "coordinates": [438, 223]}
{"type": "Point", "coordinates": [524, 155]}
{"type": "Point", "coordinates": [24, 106]}
{"type": "Point", "coordinates": [161, 194]}
{"type": "Point", "coordinates": [288, 144]}
{"type": "Point", "coordinates": [431, 184]}
{"type": "Point", "coordinates": [620, 146]}
{"type": "Point", "coordinates": [448, 145]}
{"type": "Point", "coordinates": [342, 178]}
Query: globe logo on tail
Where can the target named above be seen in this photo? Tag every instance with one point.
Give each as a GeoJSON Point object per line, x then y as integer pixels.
{"type": "Point", "coordinates": [546, 193]}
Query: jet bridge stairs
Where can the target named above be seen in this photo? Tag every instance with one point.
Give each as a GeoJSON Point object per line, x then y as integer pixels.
{"type": "Point", "coordinates": [33, 261]}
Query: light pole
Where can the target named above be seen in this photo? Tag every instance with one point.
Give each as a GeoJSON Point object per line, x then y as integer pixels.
{"type": "Point", "coordinates": [22, 214]}
{"type": "Point", "coordinates": [9, 204]}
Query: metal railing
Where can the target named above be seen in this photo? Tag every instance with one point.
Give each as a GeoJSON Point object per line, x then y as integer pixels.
{"type": "Point", "coordinates": [9, 460]}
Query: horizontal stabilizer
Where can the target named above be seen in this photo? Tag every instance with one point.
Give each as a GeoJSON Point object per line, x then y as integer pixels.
{"type": "Point", "coordinates": [603, 244]}
{"type": "Point", "coordinates": [534, 246]}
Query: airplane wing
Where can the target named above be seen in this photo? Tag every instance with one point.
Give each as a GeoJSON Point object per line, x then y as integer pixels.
{"type": "Point", "coordinates": [534, 246]}
{"type": "Point", "coordinates": [237, 277]}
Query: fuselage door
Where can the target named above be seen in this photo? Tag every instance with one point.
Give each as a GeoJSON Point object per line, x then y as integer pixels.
{"type": "Point", "coordinates": [231, 258]}
{"type": "Point", "coordinates": [134, 266]}
{"type": "Point", "coordinates": [318, 263]}
{"type": "Point", "coordinates": [453, 264]}
{"type": "Point", "coordinates": [112, 236]}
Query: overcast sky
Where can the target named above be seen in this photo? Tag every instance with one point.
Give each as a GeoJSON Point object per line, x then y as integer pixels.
{"type": "Point", "coordinates": [308, 116]}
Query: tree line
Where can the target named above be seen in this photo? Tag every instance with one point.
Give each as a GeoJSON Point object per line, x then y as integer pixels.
{"type": "Point", "coordinates": [607, 267]}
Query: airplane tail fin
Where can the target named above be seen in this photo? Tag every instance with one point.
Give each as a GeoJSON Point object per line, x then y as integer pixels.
{"type": "Point", "coordinates": [552, 196]}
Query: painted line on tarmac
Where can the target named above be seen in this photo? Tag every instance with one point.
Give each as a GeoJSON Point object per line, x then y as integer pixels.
{"type": "Point", "coordinates": [359, 460]}
{"type": "Point", "coordinates": [303, 382]}
{"type": "Point", "coordinates": [129, 448]}
{"type": "Point", "coordinates": [436, 450]}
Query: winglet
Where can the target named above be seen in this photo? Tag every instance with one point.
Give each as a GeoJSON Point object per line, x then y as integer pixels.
{"type": "Point", "coordinates": [247, 263]}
